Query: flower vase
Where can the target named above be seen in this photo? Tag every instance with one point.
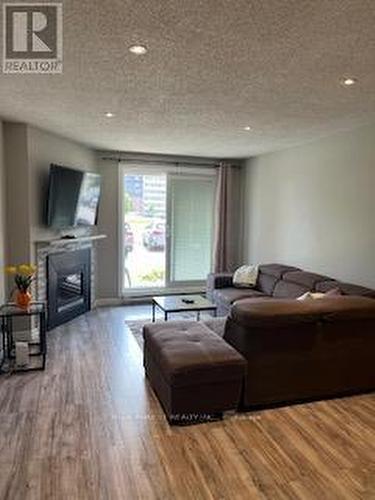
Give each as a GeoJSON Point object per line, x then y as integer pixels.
{"type": "Point", "coordinates": [23, 299]}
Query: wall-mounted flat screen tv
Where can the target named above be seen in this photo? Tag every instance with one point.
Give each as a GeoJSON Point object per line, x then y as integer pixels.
{"type": "Point", "coordinates": [73, 197]}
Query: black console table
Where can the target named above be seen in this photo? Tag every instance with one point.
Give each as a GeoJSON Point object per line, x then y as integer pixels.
{"type": "Point", "coordinates": [37, 347]}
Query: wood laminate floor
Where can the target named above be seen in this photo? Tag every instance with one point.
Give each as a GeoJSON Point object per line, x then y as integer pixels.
{"type": "Point", "coordinates": [89, 427]}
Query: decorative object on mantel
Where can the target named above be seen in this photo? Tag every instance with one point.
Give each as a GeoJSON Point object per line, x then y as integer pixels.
{"type": "Point", "coordinates": [23, 277]}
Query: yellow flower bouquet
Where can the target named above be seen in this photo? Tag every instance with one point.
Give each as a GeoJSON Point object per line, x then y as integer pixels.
{"type": "Point", "coordinates": [23, 277]}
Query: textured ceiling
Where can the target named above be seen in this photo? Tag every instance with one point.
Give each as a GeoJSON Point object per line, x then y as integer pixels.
{"type": "Point", "coordinates": [213, 67]}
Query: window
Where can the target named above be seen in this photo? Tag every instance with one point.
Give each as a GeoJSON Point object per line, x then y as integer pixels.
{"type": "Point", "coordinates": [167, 227]}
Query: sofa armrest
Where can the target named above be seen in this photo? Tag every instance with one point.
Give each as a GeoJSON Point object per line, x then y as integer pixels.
{"type": "Point", "coordinates": [218, 280]}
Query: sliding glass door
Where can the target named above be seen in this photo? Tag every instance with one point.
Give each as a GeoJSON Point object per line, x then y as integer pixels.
{"type": "Point", "coordinates": [167, 229]}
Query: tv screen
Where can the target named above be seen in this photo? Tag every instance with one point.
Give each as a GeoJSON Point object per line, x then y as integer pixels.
{"type": "Point", "coordinates": [73, 197]}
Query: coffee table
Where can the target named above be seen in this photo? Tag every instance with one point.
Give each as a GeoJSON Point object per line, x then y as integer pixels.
{"type": "Point", "coordinates": [177, 303]}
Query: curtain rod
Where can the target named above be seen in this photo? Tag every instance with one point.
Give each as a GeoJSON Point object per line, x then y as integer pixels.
{"type": "Point", "coordinates": [161, 162]}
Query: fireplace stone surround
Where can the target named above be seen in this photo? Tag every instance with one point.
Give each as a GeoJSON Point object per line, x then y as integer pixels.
{"type": "Point", "coordinates": [47, 250]}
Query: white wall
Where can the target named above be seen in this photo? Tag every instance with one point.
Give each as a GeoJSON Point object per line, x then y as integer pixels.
{"type": "Point", "coordinates": [313, 206]}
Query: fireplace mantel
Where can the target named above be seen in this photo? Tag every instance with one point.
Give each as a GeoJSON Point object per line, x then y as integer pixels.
{"type": "Point", "coordinates": [64, 241]}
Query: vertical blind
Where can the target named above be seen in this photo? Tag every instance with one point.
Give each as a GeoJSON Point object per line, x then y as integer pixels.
{"type": "Point", "coordinates": [191, 227]}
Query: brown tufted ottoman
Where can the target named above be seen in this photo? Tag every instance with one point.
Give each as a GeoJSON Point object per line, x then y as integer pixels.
{"type": "Point", "coordinates": [195, 374]}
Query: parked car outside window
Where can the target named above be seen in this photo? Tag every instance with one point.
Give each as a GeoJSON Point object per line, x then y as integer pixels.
{"type": "Point", "coordinates": [154, 236]}
{"type": "Point", "coordinates": [129, 238]}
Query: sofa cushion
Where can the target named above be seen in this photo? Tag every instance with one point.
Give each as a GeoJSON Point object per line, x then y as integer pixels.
{"type": "Point", "coordinates": [349, 289]}
{"type": "Point", "coordinates": [343, 307]}
{"type": "Point", "coordinates": [230, 295]}
{"type": "Point", "coordinates": [287, 290]}
{"type": "Point", "coordinates": [272, 312]}
{"type": "Point", "coordinates": [276, 270]}
{"type": "Point", "coordinates": [304, 278]}
{"type": "Point", "coordinates": [280, 312]}
{"type": "Point", "coordinates": [325, 286]}
{"type": "Point", "coordinates": [345, 288]}
{"type": "Point", "coordinates": [266, 283]}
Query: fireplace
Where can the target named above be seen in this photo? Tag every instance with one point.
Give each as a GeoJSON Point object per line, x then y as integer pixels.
{"type": "Point", "coordinates": [68, 285]}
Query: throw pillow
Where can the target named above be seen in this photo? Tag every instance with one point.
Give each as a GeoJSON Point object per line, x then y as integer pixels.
{"type": "Point", "coordinates": [311, 296]}
{"type": "Point", "coordinates": [335, 292]}
{"type": "Point", "coordinates": [245, 277]}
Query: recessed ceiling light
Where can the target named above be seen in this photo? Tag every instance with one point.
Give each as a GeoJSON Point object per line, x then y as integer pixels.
{"type": "Point", "coordinates": [138, 50]}
{"type": "Point", "coordinates": [109, 114]}
{"type": "Point", "coordinates": [247, 128]}
{"type": "Point", "coordinates": [348, 81]}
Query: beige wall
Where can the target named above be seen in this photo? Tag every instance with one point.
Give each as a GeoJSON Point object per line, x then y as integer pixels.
{"type": "Point", "coordinates": [28, 154]}
{"type": "Point", "coordinates": [108, 250]}
{"type": "Point", "coordinates": [238, 212]}
{"type": "Point", "coordinates": [313, 206]}
{"type": "Point", "coordinates": [45, 148]}
{"type": "Point", "coordinates": [17, 193]}
{"type": "Point", "coordinates": [2, 216]}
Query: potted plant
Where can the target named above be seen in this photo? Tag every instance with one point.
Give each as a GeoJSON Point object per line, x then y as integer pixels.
{"type": "Point", "coordinates": [23, 277]}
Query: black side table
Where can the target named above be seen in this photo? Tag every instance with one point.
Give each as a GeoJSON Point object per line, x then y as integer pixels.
{"type": "Point", "coordinates": [10, 311]}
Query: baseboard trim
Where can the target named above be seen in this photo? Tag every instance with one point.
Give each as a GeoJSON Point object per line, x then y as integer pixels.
{"type": "Point", "coordinates": [146, 298]}
{"type": "Point", "coordinates": [109, 302]}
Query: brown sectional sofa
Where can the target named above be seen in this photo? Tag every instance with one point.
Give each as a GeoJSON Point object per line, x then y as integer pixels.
{"type": "Point", "coordinates": [270, 350]}
{"type": "Point", "coordinates": [276, 281]}
{"type": "Point", "coordinates": [298, 350]}
{"type": "Point", "coordinates": [303, 350]}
